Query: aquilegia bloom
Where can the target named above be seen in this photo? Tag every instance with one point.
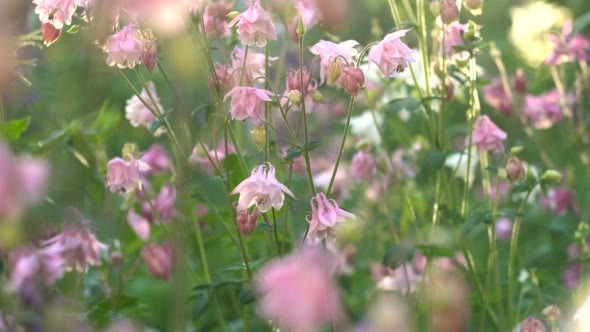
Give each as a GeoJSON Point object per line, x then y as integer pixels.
{"type": "Point", "coordinates": [125, 175]}
{"type": "Point", "coordinates": [55, 12]}
{"type": "Point", "coordinates": [329, 52]}
{"type": "Point", "coordinates": [159, 259]}
{"type": "Point", "coordinates": [391, 54]}
{"type": "Point", "coordinates": [298, 292]}
{"type": "Point", "coordinates": [247, 102]}
{"type": "Point", "coordinates": [124, 48]}
{"type": "Point", "coordinates": [487, 136]}
{"type": "Point", "coordinates": [569, 46]}
{"type": "Point", "coordinates": [255, 26]}
{"type": "Point", "coordinates": [325, 214]}
{"type": "Point", "coordinates": [262, 189]}
{"type": "Point", "coordinates": [496, 96]}
{"type": "Point", "coordinates": [140, 114]}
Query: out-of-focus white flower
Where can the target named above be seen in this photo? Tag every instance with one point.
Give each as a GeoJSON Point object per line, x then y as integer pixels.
{"type": "Point", "coordinates": [458, 163]}
{"type": "Point", "coordinates": [364, 126]}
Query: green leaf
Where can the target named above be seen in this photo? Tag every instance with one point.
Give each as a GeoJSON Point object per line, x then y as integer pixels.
{"type": "Point", "coordinates": [409, 104]}
{"type": "Point", "coordinates": [13, 130]}
{"type": "Point", "coordinates": [293, 152]}
{"type": "Point", "coordinates": [581, 22]}
{"type": "Point", "coordinates": [431, 163]}
{"type": "Point", "coordinates": [247, 296]}
{"type": "Point", "coordinates": [313, 145]}
{"type": "Point", "coordinates": [398, 254]}
{"type": "Point", "coordinates": [74, 29]}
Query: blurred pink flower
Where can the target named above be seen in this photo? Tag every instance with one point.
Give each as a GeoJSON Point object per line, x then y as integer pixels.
{"type": "Point", "coordinates": [50, 33]}
{"type": "Point", "coordinates": [166, 201]}
{"type": "Point", "coordinates": [78, 245]}
{"type": "Point", "coordinates": [352, 79]}
{"type": "Point", "coordinates": [391, 54]}
{"type": "Point", "coordinates": [140, 114]}
{"type": "Point", "coordinates": [569, 46]}
{"type": "Point", "coordinates": [248, 102]}
{"type": "Point", "coordinates": [404, 279]}
{"type": "Point", "coordinates": [246, 221]}
{"type": "Point", "coordinates": [329, 51]}
{"type": "Point", "coordinates": [22, 182]}
{"type": "Point", "coordinates": [255, 25]}
{"type": "Point", "coordinates": [559, 201]}
{"type": "Point", "coordinates": [544, 111]}
{"type": "Point", "coordinates": [159, 259]}
{"type": "Point", "coordinates": [449, 11]}
{"type": "Point", "coordinates": [253, 65]}
{"type": "Point", "coordinates": [124, 175]}
{"type": "Point", "coordinates": [496, 96]}
{"type": "Point", "coordinates": [487, 136]}
{"type": "Point", "coordinates": [225, 78]}
{"type": "Point", "coordinates": [571, 276]}
{"type": "Point", "coordinates": [199, 156]}
{"type": "Point", "coordinates": [532, 324]}
{"type": "Point", "coordinates": [149, 56]}
{"type": "Point", "coordinates": [308, 11]}
{"type": "Point", "coordinates": [454, 37]}
{"type": "Point", "coordinates": [214, 19]}
{"type": "Point", "coordinates": [293, 83]}
{"type": "Point", "coordinates": [404, 163]}
{"type": "Point", "coordinates": [262, 189]}
{"type": "Point", "coordinates": [30, 265]}
{"type": "Point", "coordinates": [298, 293]}
{"type": "Point", "coordinates": [124, 48]}
{"type": "Point", "coordinates": [157, 158]}
{"type": "Point", "coordinates": [363, 165]}
{"type": "Point", "coordinates": [325, 214]}
{"type": "Point", "coordinates": [503, 228]}
{"type": "Point", "coordinates": [55, 12]}
{"type": "Point", "coordinates": [140, 225]}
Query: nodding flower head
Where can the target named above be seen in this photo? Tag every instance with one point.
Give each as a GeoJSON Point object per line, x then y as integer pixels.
{"type": "Point", "coordinates": [325, 214]}
{"type": "Point", "coordinates": [262, 189]}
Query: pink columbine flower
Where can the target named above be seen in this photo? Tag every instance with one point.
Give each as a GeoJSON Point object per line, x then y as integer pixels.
{"type": "Point", "coordinates": [262, 189]}
{"type": "Point", "coordinates": [159, 259]}
{"type": "Point", "coordinates": [22, 182]}
{"type": "Point", "coordinates": [55, 12]}
{"type": "Point", "coordinates": [391, 54]}
{"type": "Point", "coordinates": [293, 83]}
{"type": "Point", "coordinates": [140, 225]}
{"type": "Point", "coordinates": [496, 96]}
{"type": "Point", "coordinates": [50, 33]}
{"type": "Point", "coordinates": [78, 245]}
{"type": "Point", "coordinates": [124, 48]}
{"type": "Point", "coordinates": [248, 102]}
{"type": "Point", "coordinates": [166, 201]}
{"type": "Point", "coordinates": [454, 37]}
{"type": "Point", "coordinates": [308, 11]}
{"type": "Point", "coordinates": [199, 156]}
{"type": "Point", "coordinates": [352, 79]}
{"type": "Point", "coordinates": [214, 19]}
{"type": "Point", "coordinates": [31, 265]}
{"type": "Point", "coordinates": [559, 201]}
{"type": "Point", "coordinates": [544, 111]}
{"type": "Point", "coordinates": [487, 136]}
{"type": "Point", "coordinates": [138, 113]}
{"type": "Point", "coordinates": [325, 214]}
{"type": "Point", "coordinates": [157, 158]}
{"type": "Point", "coordinates": [125, 175]}
{"type": "Point", "coordinates": [246, 221]}
{"type": "Point", "coordinates": [404, 279]}
{"type": "Point", "coordinates": [363, 165]}
{"type": "Point", "coordinates": [568, 46]}
{"type": "Point", "coordinates": [253, 65]}
{"type": "Point", "coordinates": [330, 52]}
{"type": "Point", "coordinates": [298, 293]}
{"type": "Point", "coordinates": [255, 25]}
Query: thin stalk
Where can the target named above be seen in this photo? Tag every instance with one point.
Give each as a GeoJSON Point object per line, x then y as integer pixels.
{"type": "Point", "coordinates": [1, 109]}
{"type": "Point", "coordinates": [275, 230]}
{"type": "Point", "coordinates": [342, 143]}
{"type": "Point", "coordinates": [471, 119]}
{"type": "Point", "coordinates": [561, 92]}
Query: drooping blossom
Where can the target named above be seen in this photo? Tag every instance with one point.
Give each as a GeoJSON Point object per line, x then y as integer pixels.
{"type": "Point", "coordinates": [449, 11]}
{"type": "Point", "coordinates": [332, 54]}
{"type": "Point", "coordinates": [157, 158]}
{"type": "Point", "coordinates": [325, 214]}
{"type": "Point", "coordinates": [293, 83]}
{"type": "Point", "coordinates": [352, 79]}
{"type": "Point", "coordinates": [55, 12]}
{"type": "Point", "coordinates": [246, 221]}
{"type": "Point", "coordinates": [248, 102]}
{"type": "Point", "coordinates": [487, 136]}
{"type": "Point", "coordinates": [124, 48]}
{"type": "Point", "coordinates": [262, 189]}
{"type": "Point", "coordinates": [224, 78]}
{"type": "Point", "coordinates": [298, 293]}
{"type": "Point", "coordinates": [363, 165]}
{"type": "Point", "coordinates": [515, 170]}
{"type": "Point", "coordinates": [140, 225]}
{"type": "Point", "coordinates": [391, 55]}
{"type": "Point", "coordinates": [496, 96]}
{"type": "Point", "coordinates": [254, 26]}
{"type": "Point", "coordinates": [308, 11]}
{"type": "Point", "coordinates": [404, 278]}
{"type": "Point", "coordinates": [159, 259]}
{"type": "Point", "coordinates": [125, 175]}
{"type": "Point", "coordinates": [50, 33]}
{"type": "Point", "coordinates": [503, 228]}
{"type": "Point", "coordinates": [453, 35]}
{"type": "Point", "coordinates": [569, 46]}
{"type": "Point", "coordinates": [214, 19]}
{"type": "Point", "coordinates": [545, 110]}
{"type": "Point", "coordinates": [140, 114]}
{"type": "Point", "coordinates": [78, 245]}
{"type": "Point", "coordinates": [200, 156]}
{"type": "Point", "coordinates": [149, 56]}
{"type": "Point", "coordinates": [559, 201]}
{"type": "Point", "coordinates": [165, 202]}
{"type": "Point", "coordinates": [22, 182]}
{"type": "Point", "coordinates": [252, 65]}
{"type": "Point", "coordinates": [532, 324]}
{"type": "Point", "coordinates": [31, 267]}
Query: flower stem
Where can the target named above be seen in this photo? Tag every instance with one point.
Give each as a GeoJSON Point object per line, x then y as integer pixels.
{"type": "Point", "coordinates": [342, 143]}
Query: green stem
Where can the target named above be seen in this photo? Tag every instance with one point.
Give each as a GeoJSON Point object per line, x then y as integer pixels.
{"type": "Point", "coordinates": [1, 109]}
{"type": "Point", "coordinates": [342, 143]}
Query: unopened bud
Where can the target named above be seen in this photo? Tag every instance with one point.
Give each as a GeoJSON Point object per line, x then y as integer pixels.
{"type": "Point", "coordinates": [232, 15]}
{"type": "Point", "coordinates": [149, 56]}
{"type": "Point", "coordinates": [352, 79]}
{"type": "Point", "coordinates": [363, 145]}
{"type": "Point", "coordinates": [449, 12]}
{"type": "Point", "coordinates": [259, 136]}
{"type": "Point", "coordinates": [531, 324]}
{"type": "Point", "coordinates": [553, 313]}
{"type": "Point", "coordinates": [551, 176]}
{"type": "Point", "coordinates": [130, 150]}
{"type": "Point", "coordinates": [317, 97]}
{"type": "Point", "coordinates": [50, 33]}
{"type": "Point", "coordinates": [473, 4]}
{"type": "Point", "coordinates": [516, 150]}
{"type": "Point", "coordinates": [333, 71]}
{"type": "Point", "coordinates": [246, 222]}
{"type": "Point", "coordinates": [435, 8]}
{"type": "Point", "coordinates": [515, 170]}
{"type": "Point", "coordinates": [294, 97]}
{"type": "Point", "coordinates": [116, 258]}
{"type": "Point", "coordinates": [300, 27]}
{"type": "Point", "coordinates": [520, 81]}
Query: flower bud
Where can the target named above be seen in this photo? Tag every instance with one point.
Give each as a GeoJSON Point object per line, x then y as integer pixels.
{"type": "Point", "coordinates": [232, 15]}
{"type": "Point", "coordinates": [473, 4]}
{"type": "Point", "coordinates": [352, 79]}
{"type": "Point", "coordinates": [294, 97]}
{"type": "Point", "coordinates": [520, 82]}
{"type": "Point", "coordinates": [300, 27]}
{"type": "Point", "coordinates": [516, 150]}
{"type": "Point", "coordinates": [130, 150]}
{"type": "Point", "coordinates": [449, 12]}
{"type": "Point", "coordinates": [551, 176]}
{"type": "Point", "coordinates": [553, 313]}
{"type": "Point", "coordinates": [333, 71]}
{"type": "Point", "coordinates": [149, 56]}
{"type": "Point", "coordinates": [116, 258]}
{"type": "Point", "coordinates": [531, 324]}
{"type": "Point", "coordinates": [158, 259]}
{"type": "Point", "coordinates": [515, 170]}
{"type": "Point", "coordinates": [294, 80]}
{"type": "Point", "coordinates": [435, 8]}
{"type": "Point", "coordinates": [246, 222]}
{"type": "Point", "coordinates": [259, 136]}
{"type": "Point", "coordinates": [50, 33]}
